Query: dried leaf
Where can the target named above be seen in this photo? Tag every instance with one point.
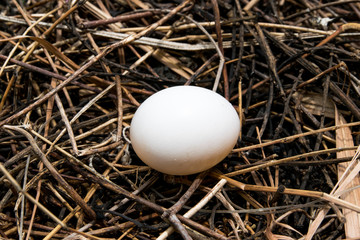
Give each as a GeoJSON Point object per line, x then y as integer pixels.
{"type": "Point", "coordinates": [344, 139]}
{"type": "Point", "coordinates": [313, 103]}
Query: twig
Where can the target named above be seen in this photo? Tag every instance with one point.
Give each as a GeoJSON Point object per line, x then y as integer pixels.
{"type": "Point", "coordinates": [106, 51]}
{"type": "Point", "coordinates": [287, 160]}
{"type": "Point", "coordinates": [28, 196]}
{"type": "Point", "coordinates": [120, 18]}
{"type": "Point", "coordinates": [307, 193]}
{"type": "Point", "coordinates": [196, 208]}
{"type": "Point", "coordinates": [220, 44]}
{"type": "Point", "coordinates": [184, 198]}
{"type": "Point", "coordinates": [100, 179]}
{"type": "Point", "coordinates": [70, 190]}
{"type": "Point", "coordinates": [293, 137]}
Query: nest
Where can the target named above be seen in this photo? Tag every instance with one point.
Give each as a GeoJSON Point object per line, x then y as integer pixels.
{"type": "Point", "coordinates": [73, 74]}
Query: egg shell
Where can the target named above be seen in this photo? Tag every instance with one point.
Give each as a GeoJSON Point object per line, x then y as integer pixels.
{"type": "Point", "coordinates": [184, 130]}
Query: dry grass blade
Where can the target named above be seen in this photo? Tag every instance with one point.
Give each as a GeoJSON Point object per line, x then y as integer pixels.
{"type": "Point", "coordinates": [348, 179]}
{"type": "Point", "coordinates": [313, 194]}
{"type": "Point", "coordinates": [344, 139]}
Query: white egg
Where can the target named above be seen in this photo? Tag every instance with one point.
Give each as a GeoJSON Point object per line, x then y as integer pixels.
{"type": "Point", "coordinates": [184, 130]}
